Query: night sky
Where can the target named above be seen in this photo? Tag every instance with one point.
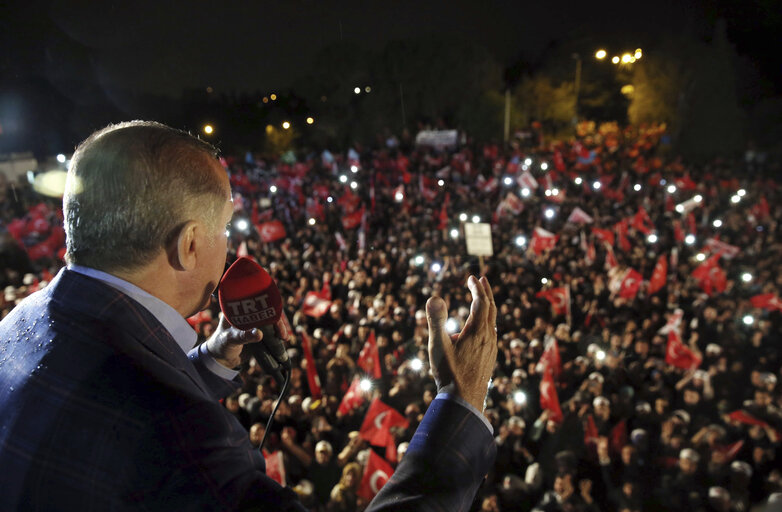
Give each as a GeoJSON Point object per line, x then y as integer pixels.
{"type": "Point", "coordinates": [80, 47]}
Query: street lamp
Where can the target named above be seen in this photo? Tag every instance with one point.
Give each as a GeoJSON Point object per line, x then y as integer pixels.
{"type": "Point", "coordinates": [208, 129]}
{"type": "Point", "coordinates": [615, 59]}
{"type": "Point", "coordinates": [600, 54]}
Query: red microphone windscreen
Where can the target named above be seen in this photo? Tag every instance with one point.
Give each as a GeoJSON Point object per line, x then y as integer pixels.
{"type": "Point", "coordinates": [249, 296]}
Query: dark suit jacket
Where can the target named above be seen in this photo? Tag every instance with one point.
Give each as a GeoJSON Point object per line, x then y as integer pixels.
{"type": "Point", "coordinates": [101, 410]}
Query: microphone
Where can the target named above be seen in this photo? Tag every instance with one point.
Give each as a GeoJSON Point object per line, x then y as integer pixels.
{"type": "Point", "coordinates": [249, 298]}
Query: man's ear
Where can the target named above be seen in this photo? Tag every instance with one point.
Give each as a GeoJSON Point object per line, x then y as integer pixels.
{"type": "Point", "coordinates": [183, 256]}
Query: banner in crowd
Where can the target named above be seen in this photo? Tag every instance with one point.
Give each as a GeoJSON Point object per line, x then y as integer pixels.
{"type": "Point", "coordinates": [353, 399]}
{"type": "Point", "coordinates": [659, 275]}
{"type": "Point", "coordinates": [678, 354]}
{"type": "Point", "coordinates": [437, 138]}
{"type": "Point", "coordinates": [315, 305]}
{"type": "Point", "coordinates": [271, 231]}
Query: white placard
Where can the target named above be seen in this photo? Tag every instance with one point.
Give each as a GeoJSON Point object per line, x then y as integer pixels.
{"type": "Point", "coordinates": [478, 238]}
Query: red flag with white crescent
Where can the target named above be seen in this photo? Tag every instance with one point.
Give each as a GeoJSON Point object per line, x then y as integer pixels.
{"type": "Point", "coordinates": [379, 420]}
{"type": "Point", "coordinates": [659, 275]}
{"type": "Point", "coordinates": [275, 466]}
{"type": "Point", "coordinates": [549, 400]}
{"type": "Point", "coordinates": [630, 284]}
{"type": "Point", "coordinates": [678, 354]}
{"type": "Point", "coordinates": [767, 301]}
{"type": "Point", "coordinates": [558, 297]}
{"type": "Point", "coordinates": [314, 305]}
{"type": "Point", "coordinates": [312, 371]}
{"type": "Point", "coordinates": [376, 474]}
{"type": "Point", "coordinates": [543, 240]}
{"type": "Point", "coordinates": [353, 398]}
{"type": "Point", "coordinates": [369, 357]}
{"type": "Point", "coordinates": [271, 231]}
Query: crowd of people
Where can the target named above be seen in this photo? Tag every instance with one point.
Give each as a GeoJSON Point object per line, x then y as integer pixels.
{"type": "Point", "coordinates": [638, 315]}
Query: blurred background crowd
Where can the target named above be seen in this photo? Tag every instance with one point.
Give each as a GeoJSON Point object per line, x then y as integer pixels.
{"type": "Point", "coordinates": [638, 313]}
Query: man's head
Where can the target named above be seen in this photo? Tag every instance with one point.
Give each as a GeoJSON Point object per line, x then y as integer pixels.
{"type": "Point", "coordinates": [139, 190]}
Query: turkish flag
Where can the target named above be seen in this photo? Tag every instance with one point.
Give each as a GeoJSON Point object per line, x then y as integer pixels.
{"type": "Point", "coordinates": [423, 184]}
{"type": "Point", "coordinates": [716, 246]}
{"type": "Point", "coordinates": [353, 398]}
{"type": "Point", "coordinates": [369, 357]}
{"type": "Point", "coordinates": [349, 202]}
{"type": "Point", "coordinates": [618, 437]}
{"type": "Point", "coordinates": [271, 231]}
{"type": "Point", "coordinates": [659, 276]}
{"type": "Point", "coordinates": [746, 418]}
{"type": "Point", "coordinates": [621, 230]}
{"type": "Point", "coordinates": [314, 305]}
{"type": "Point", "coordinates": [731, 450]}
{"type": "Point", "coordinates": [579, 216]}
{"type": "Point", "coordinates": [710, 276]}
{"type": "Point", "coordinates": [376, 474]}
{"type": "Point", "coordinates": [275, 466]}
{"type": "Point", "coordinates": [376, 427]}
{"type": "Point", "coordinates": [767, 301]}
{"type": "Point", "coordinates": [685, 183]}
{"type": "Point", "coordinates": [678, 232]}
{"type": "Point", "coordinates": [559, 299]}
{"type": "Point", "coordinates": [606, 235]}
{"type": "Point", "coordinates": [642, 222]}
{"type": "Point", "coordinates": [312, 371]}
{"type": "Point", "coordinates": [679, 355]}
{"type": "Point", "coordinates": [630, 284]}
{"type": "Point", "coordinates": [673, 323]}
{"type": "Point", "coordinates": [543, 240]}
{"type": "Point", "coordinates": [550, 359]}
{"type": "Point", "coordinates": [527, 180]}
{"type": "Point", "coordinates": [548, 396]}
{"type": "Point", "coordinates": [443, 217]}
{"type": "Point", "coordinates": [352, 220]}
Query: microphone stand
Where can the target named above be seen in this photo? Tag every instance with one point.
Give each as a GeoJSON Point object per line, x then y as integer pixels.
{"type": "Point", "coordinates": [287, 374]}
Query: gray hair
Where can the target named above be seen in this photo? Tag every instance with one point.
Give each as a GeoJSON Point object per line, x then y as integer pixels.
{"type": "Point", "coordinates": [131, 187]}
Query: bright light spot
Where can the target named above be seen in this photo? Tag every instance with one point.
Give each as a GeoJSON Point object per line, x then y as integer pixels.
{"type": "Point", "coordinates": [525, 192]}
{"type": "Point", "coordinates": [365, 385]}
{"type": "Point", "coordinates": [310, 120]}
{"type": "Point", "coordinates": [698, 198]}
{"type": "Point", "coordinates": [638, 54]}
{"type": "Point", "coordinates": [600, 54]}
{"type": "Point", "coordinates": [242, 225]}
{"type": "Point", "coordinates": [273, 189]}
{"type": "Point", "coordinates": [741, 192]}
{"type": "Point", "coordinates": [748, 320]}
{"type": "Point", "coordinates": [416, 364]}
{"type": "Point", "coordinates": [746, 277]}
{"type": "Point", "coordinates": [353, 185]}
{"type": "Point", "coordinates": [519, 397]}
{"type": "Point", "coordinates": [208, 129]}
{"type": "Point", "coordinates": [700, 256]}
{"type": "Point", "coordinates": [652, 238]}
{"type": "Point", "coordinates": [273, 96]}
{"type": "Point", "coordinates": [419, 260]}
{"type": "Point", "coordinates": [367, 89]}
{"type": "Point", "coordinates": [596, 185]}
{"type": "Point", "coordinates": [354, 169]}
{"type": "Point", "coordinates": [521, 240]}
{"type": "Point", "coordinates": [476, 219]}
{"type": "Point", "coordinates": [615, 59]}
{"type": "Point", "coordinates": [454, 233]}
{"type": "Point", "coordinates": [717, 223]}
{"type": "Point", "coordinates": [680, 208]}
{"type": "Point", "coordinates": [312, 221]}
{"type": "Point", "coordinates": [554, 191]}
{"type": "Point", "coordinates": [343, 179]}
{"type": "Point", "coordinates": [61, 158]}
{"type": "Point", "coordinates": [600, 355]}
{"type": "Point", "coordinates": [578, 180]}
{"type": "Point", "coordinates": [637, 187]}
{"type": "Point", "coordinates": [527, 161]}
{"type": "Point", "coordinates": [266, 99]}
{"type": "Point", "coordinates": [689, 239]}
{"type": "Point", "coordinates": [451, 325]}
{"type": "Point", "coordinates": [543, 280]}
{"type": "Point", "coordinates": [549, 213]}
{"type": "Point", "coordinates": [357, 90]}
{"type": "Point", "coordinates": [286, 125]}
{"type": "Point", "coordinates": [227, 233]}
{"type": "Point", "coordinates": [626, 58]}
{"type": "Point", "coordinates": [544, 166]}
{"type": "Point", "coordinates": [508, 180]}
{"type": "Point", "coordinates": [524, 167]}
{"type": "Point", "coordinates": [399, 197]}
{"type": "Point", "coordinates": [463, 217]}
{"type": "Point", "coordinates": [329, 199]}
{"type": "Point", "coordinates": [663, 182]}
{"type": "Point", "coordinates": [436, 267]}
{"type": "Point", "coordinates": [671, 188]}
{"type": "Point", "coordinates": [548, 193]}
{"type": "Point", "coordinates": [440, 183]}
{"type": "Point", "coordinates": [735, 199]}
